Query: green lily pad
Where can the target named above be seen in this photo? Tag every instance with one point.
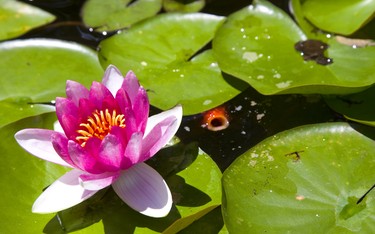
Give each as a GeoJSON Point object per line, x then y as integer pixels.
{"type": "Point", "coordinates": [343, 17]}
{"type": "Point", "coordinates": [205, 176]}
{"type": "Point", "coordinates": [23, 178]}
{"type": "Point", "coordinates": [184, 223]}
{"type": "Point", "coordinates": [117, 14]}
{"type": "Point", "coordinates": [308, 178]}
{"type": "Point", "coordinates": [357, 107]}
{"type": "Point", "coordinates": [162, 53]}
{"type": "Point", "coordinates": [256, 44]}
{"type": "Point", "coordinates": [209, 222]}
{"type": "Point", "coordinates": [183, 6]}
{"type": "Point", "coordinates": [36, 70]}
{"type": "Point", "coordinates": [18, 18]}
{"type": "Point", "coordinates": [296, 10]}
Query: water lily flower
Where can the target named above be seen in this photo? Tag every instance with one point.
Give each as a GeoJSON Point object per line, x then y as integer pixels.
{"type": "Point", "coordinates": [106, 136]}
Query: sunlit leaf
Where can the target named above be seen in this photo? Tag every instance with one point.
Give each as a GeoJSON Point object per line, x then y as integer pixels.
{"type": "Point", "coordinates": [210, 220]}
{"type": "Point", "coordinates": [117, 14]}
{"type": "Point", "coordinates": [308, 178]}
{"type": "Point", "coordinates": [36, 70]}
{"type": "Point", "coordinates": [162, 53]}
{"type": "Point", "coordinates": [17, 18]}
{"type": "Point", "coordinates": [257, 45]}
{"type": "Point", "coordinates": [183, 6]}
{"type": "Point", "coordinates": [343, 17]}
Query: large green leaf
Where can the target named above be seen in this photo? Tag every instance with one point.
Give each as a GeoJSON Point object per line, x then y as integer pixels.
{"type": "Point", "coordinates": [257, 45]}
{"type": "Point", "coordinates": [18, 18]}
{"type": "Point", "coordinates": [304, 180]}
{"type": "Point", "coordinates": [23, 178]}
{"type": "Point", "coordinates": [116, 14]}
{"type": "Point", "coordinates": [36, 70]}
{"type": "Point", "coordinates": [343, 17]}
{"type": "Point", "coordinates": [161, 52]}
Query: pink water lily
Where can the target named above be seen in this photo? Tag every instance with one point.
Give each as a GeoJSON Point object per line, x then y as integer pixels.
{"type": "Point", "coordinates": [106, 136]}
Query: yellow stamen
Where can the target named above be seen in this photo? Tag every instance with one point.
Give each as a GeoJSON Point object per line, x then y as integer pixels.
{"type": "Point", "coordinates": [99, 125]}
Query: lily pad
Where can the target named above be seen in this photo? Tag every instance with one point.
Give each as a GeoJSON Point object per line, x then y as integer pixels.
{"type": "Point", "coordinates": [111, 15]}
{"type": "Point", "coordinates": [257, 45]}
{"type": "Point", "coordinates": [36, 70]}
{"type": "Point", "coordinates": [343, 17]}
{"type": "Point", "coordinates": [295, 8]}
{"type": "Point", "coordinates": [211, 223]}
{"type": "Point", "coordinates": [183, 6]}
{"type": "Point", "coordinates": [308, 178]}
{"type": "Point", "coordinates": [18, 18]}
{"type": "Point", "coordinates": [357, 107]}
{"type": "Point", "coordinates": [163, 51]}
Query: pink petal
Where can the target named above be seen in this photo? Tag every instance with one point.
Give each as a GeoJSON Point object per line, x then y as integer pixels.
{"type": "Point", "coordinates": [112, 79]}
{"type": "Point", "coordinates": [86, 108]}
{"type": "Point", "coordinates": [67, 114]}
{"type": "Point", "coordinates": [65, 106]}
{"type": "Point", "coordinates": [83, 159]}
{"type": "Point", "coordinates": [131, 85]}
{"type": "Point", "coordinates": [38, 142]}
{"type": "Point", "coordinates": [130, 122]}
{"type": "Point", "coordinates": [98, 181]}
{"type": "Point", "coordinates": [141, 107]}
{"type": "Point", "coordinates": [62, 194]}
{"type": "Point", "coordinates": [123, 100]}
{"type": "Point", "coordinates": [60, 144]}
{"type": "Point", "coordinates": [133, 149]}
{"type": "Point", "coordinates": [98, 92]}
{"type": "Point", "coordinates": [163, 127]}
{"type": "Point", "coordinates": [111, 153]}
{"type": "Point", "coordinates": [76, 91]}
{"type": "Point", "coordinates": [110, 103]}
{"type": "Point", "coordinates": [144, 190]}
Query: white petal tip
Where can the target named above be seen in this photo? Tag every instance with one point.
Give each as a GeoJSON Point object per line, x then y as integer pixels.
{"type": "Point", "coordinates": [157, 213]}
{"type": "Point", "coordinates": [37, 209]}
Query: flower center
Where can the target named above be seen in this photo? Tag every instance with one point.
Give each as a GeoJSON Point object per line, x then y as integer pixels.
{"type": "Point", "coordinates": [99, 125]}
